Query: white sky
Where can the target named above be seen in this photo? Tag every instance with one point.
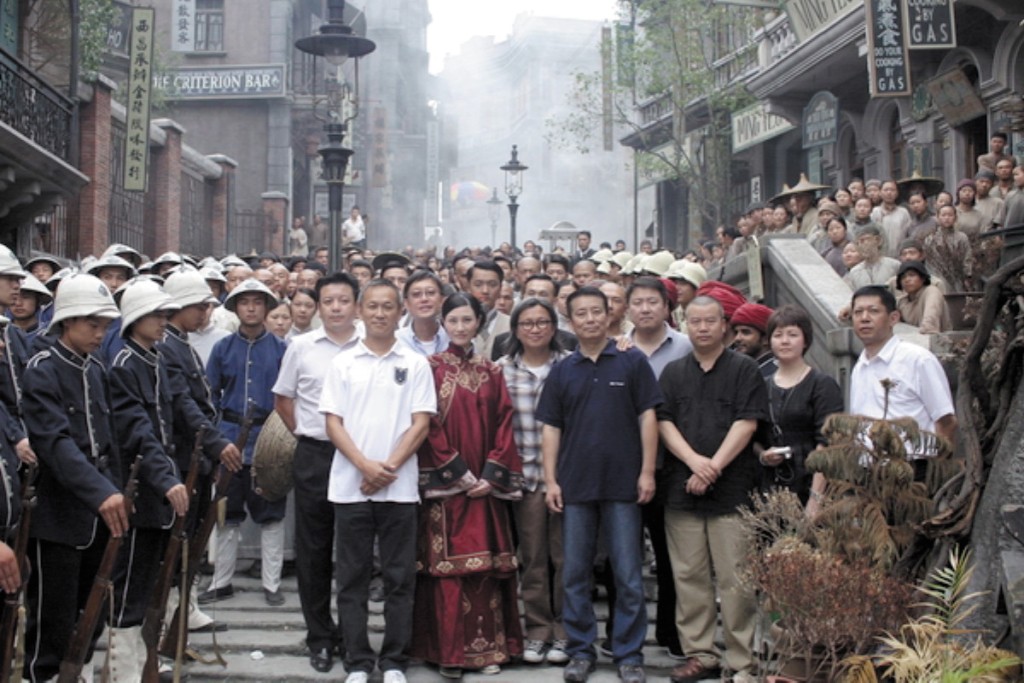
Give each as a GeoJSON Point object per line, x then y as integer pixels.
{"type": "Point", "coordinates": [456, 21]}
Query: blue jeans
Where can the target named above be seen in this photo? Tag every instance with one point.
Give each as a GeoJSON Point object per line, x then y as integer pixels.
{"type": "Point", "coordinates": [621, 525]}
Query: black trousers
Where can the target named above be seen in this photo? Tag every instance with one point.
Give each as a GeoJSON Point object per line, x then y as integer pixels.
{"type": "Point", "coordinates": [394, 526]}
{"type": "Point", "coordinates": [62, 577]}
{"type": "Point", "coordinates": [138, 564]}
{"type": "Point", "coordinates": [314, 541]}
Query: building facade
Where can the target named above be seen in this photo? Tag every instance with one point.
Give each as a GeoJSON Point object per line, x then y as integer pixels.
{"type": "Point", "coordinates": [817, 112]}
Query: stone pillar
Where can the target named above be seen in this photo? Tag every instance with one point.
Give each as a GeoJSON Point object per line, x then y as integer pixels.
{"type": "Point", "coordinates": [95, 162]}
{"type": "Point", "coordinates": [163, 198]}
{"type": "Point", "coordinates": [275, 209]}
{"type": "Point", "coordinates": [222, 208]}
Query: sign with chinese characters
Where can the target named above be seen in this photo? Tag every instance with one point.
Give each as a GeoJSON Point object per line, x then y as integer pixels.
{"type": "Point", "coordinates": [821, 120]}
{"type": "Point", "coordinates": [140, 81]}
{"type": "Point", "coordinates": [807, 17]}
{"type": "Point", "coordinates": [931, 24]}
{"type": "Point", "coordinates": [888, 60]}
{"type": "Point", "coordinates": [754, 125]}
{"type": "Point", "coordinates": [183, 33]}
{"type": "Point", "coordinates": [242, 82]}
{"type": "Point", "coordinates": [755, 190]}
{"type": "Point", "coordinates": [955, 97]}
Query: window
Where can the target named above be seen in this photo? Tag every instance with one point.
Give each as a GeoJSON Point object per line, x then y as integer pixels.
{"type": "Point", "coordinates": [209, 26]}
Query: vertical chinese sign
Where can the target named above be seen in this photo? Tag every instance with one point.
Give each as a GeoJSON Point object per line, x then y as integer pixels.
{"type": "Point", "coordinates": [183, 37]}
{"type": "Point", "coordinates": [888, 60]}
{"type": "Point", "coordinates": [140, 81]}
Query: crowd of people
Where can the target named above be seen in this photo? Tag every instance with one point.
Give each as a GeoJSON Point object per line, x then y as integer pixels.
{"type": "Point", "coordinates": [479, 434]}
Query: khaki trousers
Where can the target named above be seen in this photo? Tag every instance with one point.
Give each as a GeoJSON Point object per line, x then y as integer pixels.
{"type": "Point", "coordinates": [540, 543]}
{"type": "Point", "coordinates": [697, 545]}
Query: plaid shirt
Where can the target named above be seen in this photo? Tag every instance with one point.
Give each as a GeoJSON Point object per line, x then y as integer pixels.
{"type": "Point", "coordinates": [524, 388]}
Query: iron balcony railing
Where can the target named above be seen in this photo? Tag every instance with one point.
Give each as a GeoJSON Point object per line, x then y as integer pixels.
{"type": "Point", "coordinates": [34, 108]}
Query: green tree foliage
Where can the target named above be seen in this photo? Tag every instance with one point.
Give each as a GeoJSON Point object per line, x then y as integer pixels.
{"type": "Point", "coordinates": [679, 60]}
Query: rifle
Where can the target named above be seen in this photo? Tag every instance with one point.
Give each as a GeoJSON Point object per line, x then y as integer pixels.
{"type": "Point", "coordinates": [175, 632]}
{"type": "Point", "coordinates": [154, 619]}
{"type": "Point", "coordinates": [12, 601]}
{"type": "Point", "coordinates": [74, 659]}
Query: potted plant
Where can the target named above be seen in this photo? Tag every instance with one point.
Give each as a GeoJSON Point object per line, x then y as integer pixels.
{"type": "Point", "coordinates": [935, 646]}
{"type": "Point", "coordinates": [838, 581]}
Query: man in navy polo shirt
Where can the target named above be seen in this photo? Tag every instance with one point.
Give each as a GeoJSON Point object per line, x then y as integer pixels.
{"type": "Point", "coordinates": [599, 445]}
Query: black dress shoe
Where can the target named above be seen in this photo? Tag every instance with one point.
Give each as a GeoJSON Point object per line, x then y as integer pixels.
{"type": "Point", "coordinates": [215, 594]}
{"type": "Point", "coordinates": [322, 660]}
{"type": "Point", "coordinates": [273, 598]}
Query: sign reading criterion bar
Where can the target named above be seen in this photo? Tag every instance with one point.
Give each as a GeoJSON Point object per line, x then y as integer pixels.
{"type": "Point", "coordinates": [242, 82]}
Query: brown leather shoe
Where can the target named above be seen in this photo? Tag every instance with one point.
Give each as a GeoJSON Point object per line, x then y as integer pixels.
{"type": "Point", "coordinates": [693, 670]}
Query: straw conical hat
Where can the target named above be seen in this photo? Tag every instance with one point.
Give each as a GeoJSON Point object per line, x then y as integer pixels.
{"type": "Point", "coordinates": [272, 459]}
{"type": "Point", "coordinates": [930, 185]}
{"type": "Point", "coordinates": [804, 185]}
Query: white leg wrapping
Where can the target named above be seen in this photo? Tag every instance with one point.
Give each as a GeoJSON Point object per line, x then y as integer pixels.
{"type": "Point", "coordinates": [226, 556]}
{"type": "Point", "coordinates": [127, 655]}
{"type": "Point", "coordinates": [272, 551]}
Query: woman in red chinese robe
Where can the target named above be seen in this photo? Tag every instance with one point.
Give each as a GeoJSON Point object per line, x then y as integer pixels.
{"type": "Point", "coordinates": [466, 609]}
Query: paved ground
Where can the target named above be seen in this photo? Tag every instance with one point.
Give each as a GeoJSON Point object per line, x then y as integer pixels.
{"type": "Point", "coordinates": [266, 644]}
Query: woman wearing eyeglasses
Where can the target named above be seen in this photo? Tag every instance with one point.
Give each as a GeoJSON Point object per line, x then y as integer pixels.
{"type": "Point", "coordinates": [533, 351]}
{"type": "Point", "coordinates": [800, 398]}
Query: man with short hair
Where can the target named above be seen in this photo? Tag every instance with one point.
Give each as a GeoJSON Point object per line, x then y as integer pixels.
{"type": "Point", "coordinates": [991, 207]}
{"type": "Point", "coordinates": [618, 325]}
{"type": "Point", "coordinates": [599, 445]}
{"type": "Point", "coordinates": [297, 394]}
{"type": "Point", "coordinates": [526, 267]}
{"type": "Point", "coordinates": [919, 387]}
{"type": "Point", "coordinates": [893, 218]}
{"type": "Point", "coordinates": [996, 146]}
{"type": "Point", "coordinates": [485, 286]}
{"type": "Point", "coordinates": [750, 337]}
{"type": "Point", "coordinates": [649, 304]}
{"type": "Point", "coordinates": [378, 397]}
{"type": "Point", "coordinates": [353, 230]}
{"type": "Point", "coordinates": [557, 267]}
{"type": "Point", "coordinates": [875, 269]}
{"type": "Point", "coordinates": [1004, 179]}
{"type": "Point", "coordinates": [322, 256]}
{"type": "Point", "coordinates": [583, 249]}
{"type": "Point", "coordinates": [714, 398]}
{"type": "Point", "coordinates": [583, 272]}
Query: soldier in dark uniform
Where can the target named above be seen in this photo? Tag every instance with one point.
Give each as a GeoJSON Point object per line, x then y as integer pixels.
{"type": "Point", "coordinates": [143, 416]}
{"type": "Point", "coordinates": [68, 416]}
{"type": "Point", "coordinates": [191, 291]}
{"type": "Point", "coordinates": [13, 356]}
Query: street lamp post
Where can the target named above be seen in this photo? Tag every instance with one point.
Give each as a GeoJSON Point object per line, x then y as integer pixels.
{"type": "Point", "coordinates": [335, 42]}
{"type": "Point", "coordinates": [513, 188]}
{"type": "Point", "coordinates": [493, 208]}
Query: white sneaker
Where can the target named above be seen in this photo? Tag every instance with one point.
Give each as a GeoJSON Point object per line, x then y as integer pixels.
{"type": "Point", "coordinates": [557, 653]}
{"type": "Point", "coordinates": [394, 676]}
{"type": "Point", "coordinates": [533, 653]}
{"type": "Point", "coordinates": [357, 677]}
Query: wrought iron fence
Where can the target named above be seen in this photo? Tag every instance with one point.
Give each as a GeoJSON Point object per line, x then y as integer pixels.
{"type": "Point", "coordinates": [127, 209]}
{"type": "Point", "coordinates": [196, 216]}
{"type": "Point", "coordinates": [246, 232]}
{"type": "Point", "coordinates": [32, 107]}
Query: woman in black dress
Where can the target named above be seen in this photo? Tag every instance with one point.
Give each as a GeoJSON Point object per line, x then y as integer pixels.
{"type": "Point", "coordinates": [800, 398]}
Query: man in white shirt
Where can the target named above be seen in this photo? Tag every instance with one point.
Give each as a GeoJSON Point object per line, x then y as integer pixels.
{"type": "Point", "coordinates": [378, 397]}
{"type": "Point", "coordinates": [353, 230]}
{"type": "Point", "coordinates": [297, 395]}
{"type": "Point", "coordinates": [919, 388]}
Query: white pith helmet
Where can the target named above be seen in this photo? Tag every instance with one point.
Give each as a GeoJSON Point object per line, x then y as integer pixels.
{"type": "Point", "coordinates": [82, 295]}
{"type": "Point", "coordinates": [111, 261]}
{"type": "Point", "coordinates": [142, 297]}
{"type": "Point", "coordinates": [9, 264]}
{"type": "Point", "coordinates": [189, 288]}
{"type": "Point", "coordinates": [250, 287]}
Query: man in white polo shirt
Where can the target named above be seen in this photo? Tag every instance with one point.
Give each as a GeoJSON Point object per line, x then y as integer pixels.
{"type": "Point", "coordinates": [297, 399]}
{"type": "Point", "coordinates": [378, 397]}
{"type": "Point", "coordinates": [919, 390]}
